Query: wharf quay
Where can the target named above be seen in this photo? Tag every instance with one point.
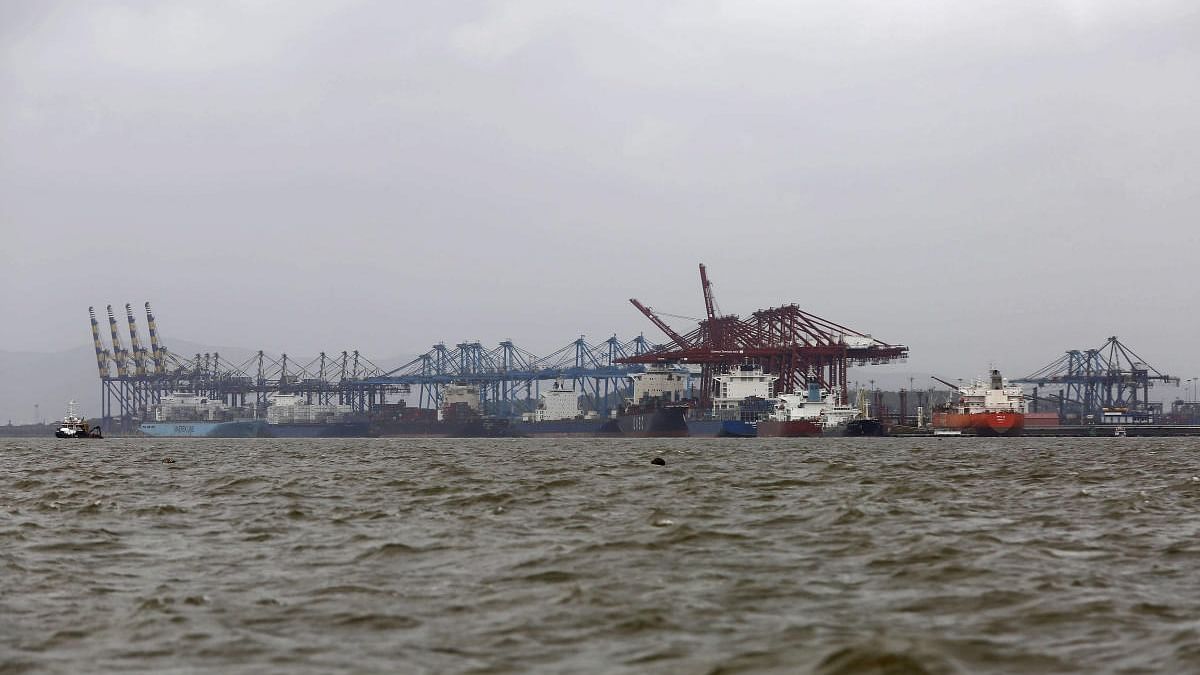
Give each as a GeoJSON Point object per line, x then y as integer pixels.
{"type": "Point", "coordinates": [1081, 431]}
{"type": "Point", "coordinates": [1102, 430]}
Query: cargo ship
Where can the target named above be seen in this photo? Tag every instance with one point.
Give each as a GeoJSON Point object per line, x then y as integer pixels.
{"type": "Point", "coordinates": [743, 406]}
{"type": "Point", "coordinates": [815, 412]}
{"type": "Point", "coordinates": [658, 407]}
{"type": "Point", "coordinates": [652, 418]}
{"type": "Point", "coordinates": [293, 416]}
{"type": "Point", "coordinates": [558, 414]}
{"type": "Point", "coordinates": [459, 416]}
{"type": "Point", "coordinates": [741, 399]}
{"type": "Point", "coordinates": [189, 415]}
{"type": "Point", "coordinates": [992, 408]}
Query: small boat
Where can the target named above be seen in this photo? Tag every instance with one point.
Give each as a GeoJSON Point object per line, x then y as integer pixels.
{"type": "Point", "coordinates": [1119, 432]}
{"type": "Point", "coordinates": [74, 426]}
{"type": "Point", "coordinates": [947, 432]}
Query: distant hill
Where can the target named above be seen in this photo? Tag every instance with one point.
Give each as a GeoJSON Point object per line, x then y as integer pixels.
{"type": "Point", "coordinates": [49, 380]}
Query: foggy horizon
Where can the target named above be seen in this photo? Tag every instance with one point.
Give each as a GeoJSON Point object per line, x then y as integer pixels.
{"type": "Point", "coordinates": [985, 187]}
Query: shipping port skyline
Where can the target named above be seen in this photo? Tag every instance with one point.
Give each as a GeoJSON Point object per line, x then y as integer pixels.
{"type": "Point", "coordinates": [136, 369]}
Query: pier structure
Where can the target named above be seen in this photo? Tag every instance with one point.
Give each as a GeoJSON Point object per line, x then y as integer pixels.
{"type": "Point", "coordinates": [133, 379]}
{"type": "Point", "coordinates": [1111, 380]}
{"type": "Point", "coordinates": [797, 346]}
{"type": "Point", "coordinates": [510, 378]}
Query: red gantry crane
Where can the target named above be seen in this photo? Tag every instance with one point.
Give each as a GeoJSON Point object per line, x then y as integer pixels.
{"type": "Point", "coordinates": [786, 341]}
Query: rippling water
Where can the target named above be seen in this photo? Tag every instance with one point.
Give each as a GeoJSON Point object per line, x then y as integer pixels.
{"type": "Point", "coordinates": [496, 556]}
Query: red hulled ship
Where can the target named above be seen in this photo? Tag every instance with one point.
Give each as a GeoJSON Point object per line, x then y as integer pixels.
{"type": "Point", "coordinates": [986, 409]}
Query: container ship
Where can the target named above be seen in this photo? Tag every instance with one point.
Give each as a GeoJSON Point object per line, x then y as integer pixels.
{"type": "Point", "coordinates": [991, 408]}
{"type": "Point", "coordinates": [558, 414]}
{"type": "Point", "coordinates": [189, 415]}
{"type": "Point", "coordinates": [459, 416]}
{"type": "Point", "coordinates": [649, 419]}
{"type": "Point", "coordinates": [293, 416]}
{"type": "Point", "coordinates": [658, 407]}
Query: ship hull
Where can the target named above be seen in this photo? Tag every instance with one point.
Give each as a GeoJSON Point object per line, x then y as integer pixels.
{"type": "Point", "coordinates": [93, 434]}
{"type": "Point", "coordinates": [788, 429]}
{"type": "Point", "coordinates": [737, 429]}
{"type": "Point", "coordinates": [982, 424]}
{"type": "Point", "coordinates": [235, 429]}
{"type": "Point", "coordinates": [704, 428]}
{"type": "Point", "coordinates": [666, 422]}
{"type": "Point", "coordinates": [487, 427]}
{"type": "Point", "coordinates": [336, 430]}
{"type": "Point", "coordinates": [863, 427]}
{"type": "Point", "coordinates": [558, 428]}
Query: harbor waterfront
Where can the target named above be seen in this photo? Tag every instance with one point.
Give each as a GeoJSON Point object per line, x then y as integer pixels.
{"type": "Point", "coordinates": [834, 555]}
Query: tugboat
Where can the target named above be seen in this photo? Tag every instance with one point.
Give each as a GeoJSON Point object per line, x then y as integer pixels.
{"type": "Point", "coordinates": [74, 426]}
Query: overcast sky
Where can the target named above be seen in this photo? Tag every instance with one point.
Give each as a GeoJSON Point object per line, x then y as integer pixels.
{"type": "Point", "coordinates": [987, 182]}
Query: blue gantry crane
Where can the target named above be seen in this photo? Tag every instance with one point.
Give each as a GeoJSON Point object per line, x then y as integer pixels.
{"type": "Point", "coordinates": [1110, 378]}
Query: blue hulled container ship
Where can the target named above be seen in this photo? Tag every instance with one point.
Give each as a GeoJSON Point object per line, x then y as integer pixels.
{"type": "Point", "coordinates": [189, 415]}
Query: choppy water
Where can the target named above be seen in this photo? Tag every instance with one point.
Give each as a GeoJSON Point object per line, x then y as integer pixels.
{"type": "Point", "coordinates": [578, 556]}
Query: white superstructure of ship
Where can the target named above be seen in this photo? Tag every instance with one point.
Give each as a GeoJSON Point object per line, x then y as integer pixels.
{"type": "Point", "coordinates": [660, 382]}
{"type": "Point", "coordinates": [75, 426]}
{"type": "Point", "coordinates": [817, 405]}
{"type": "Point", "coordinates": [994, 395]}
{"type": "Point", "coordinates": [557, 403]}
{"type": "Point", "coordinates": [991, 407]}
{"type": "Point", "coordinates": [733, 387]}
{"type": "Point", "coordinates": [186, 406]}
{"type": "Point", "coordinates": [295, 409]}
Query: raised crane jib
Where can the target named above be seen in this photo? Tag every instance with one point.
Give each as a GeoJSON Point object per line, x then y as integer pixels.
{"type": "Point", "coordinates": [159, 352]}
{"type": "Point", "coordinates": [102, 355]}
{"type": "Point", "coordinates": [952, 386]}
{"type": "Point", "coordinates": [710, 303]}
{"type": "Point", "coordinates": [118, 349]}
{"type": "Point", "coordinates": [135, 343]}
{"type": "Point", "coordinates": [662, 325]}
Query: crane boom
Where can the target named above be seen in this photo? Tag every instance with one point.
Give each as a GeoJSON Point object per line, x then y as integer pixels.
{"type": "Point", "coordinates": [117, 348]}
{"type": "Point", "coordinates": [710, 304]}
{"type": "Point", "coordinates": [135, 343]}
{"type": "Point", "coordinates": [101, 352]}
{"type": "Point", "coordinates": [952, 386]}
{"type": "Point", "coordinates": [159, 352]}
{"type": "Point", "coordinates": [662, 325]}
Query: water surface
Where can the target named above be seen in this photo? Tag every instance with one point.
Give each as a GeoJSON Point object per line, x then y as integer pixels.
{"type": "Point", "coordinates": [578, 556]}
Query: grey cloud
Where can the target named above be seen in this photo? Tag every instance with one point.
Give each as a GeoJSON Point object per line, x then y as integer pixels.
{"type": "Point", "coordinates": [988, 183]}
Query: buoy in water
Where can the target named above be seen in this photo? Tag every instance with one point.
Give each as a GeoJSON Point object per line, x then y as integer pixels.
{"type": "Point", "coordinates": [658, 461]}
